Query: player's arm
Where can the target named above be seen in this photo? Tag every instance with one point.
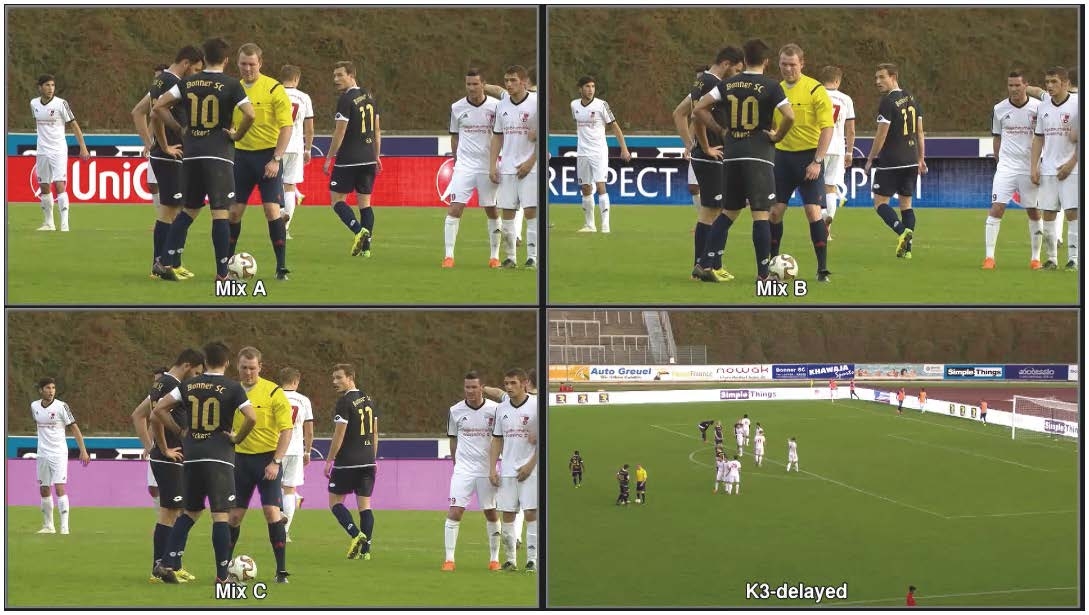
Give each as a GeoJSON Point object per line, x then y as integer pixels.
{"type": "Point", "coordinates": [785, 124]}
{"type": "Point", "coordinates": [624, 153]}
{"type": "Point", "coordinates": [878, 143]}
{"type": "Point", "coordinates": [140, 417]}
{"type": "Point", "coordinates": [1068, 167]}
{"type": "Point", "coordinates": [702, 112]}
{"type": "Point", "coordinates": [1035, 92]}
{"type": "Point", "coordinates": [454, 146]}
{"type": "Point", "coordinates": [338, 139]}
{"type": "Point", "coordinates": [849, 137]}
{"type": "Point", "coordinates": [493, 393]}
{"type": "Point", "coordinates": [922, 145]}
{"type": "Point", "coordinates": [248, 116]}
{"type": "Point", "coordinates": [281, 107]}
{"type": "Point", "coordinates": [493, 456]}
{"type": "Point", "coordinates": [161, 413]}
{"type": "Point", "coordinates": [84, 457]}
{"type": "Point", "coordinates": [308, 437]}
{"type": "Point", "coordinates": [527, 469]}
{"type": "Point", "coordinates": [249, 420]}
{"type": "Point", "coordinates": [339, 429]}
{"type": "Point", "coordinates": [682, 113]}
{"type": "Point", "coordinates": [308, 138]}
{"type": "Point", "coordinates": [83, 153]}
{"type": "Point", "coordinates": [495, 91]}
{"type": "Point", "coordinates": [163, 104]}
{"type": "Point", "coordinates": [377, 141]}
{"type": "Point", "coordinates": [527, 165]}
{"type": "Point", "coordinates": [496, 146]}
{"type": "Point", "coordinates": [140, 115]}
{"type": "Point", "coordinates": [374, 431]}
{"type": "Point", "coordinates": [281, 410]}
{"type": "Point", "coordinates": [827, 125]}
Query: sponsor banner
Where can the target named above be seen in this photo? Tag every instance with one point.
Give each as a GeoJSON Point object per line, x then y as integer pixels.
{"type": "Point", "coordinates": [20, 143]}
{"type": "Point", "coordinates": [652, 373]}
{"type": "Point", "coordinates": [729, 373]}
{"type": "Point", "coordinates": [19, 447]}
{"type": "Point", "coordinates": [568, 373]}
{"type": "Point", "coordinates": [1073, 373]}
{"type": "Point", "coordinates": [793, 371]}
{"type": "Point", "coordinates": [974, 372]}
{"type": "Point", "coordinates": [899, 371]}
{"type": "Point", "coordinates": [617, 398]}
{"type": "Point", "coordinates": [669, 146]}
{"type": "Point", "coordinates": [746, 394]}
{"type": "Point", "coordinates": [812, 371]}
{"type": "Point", "coordinates": [882, 396]}
{"type": "Point", "coordinates": [624, 373]}
{"type": "Point", "coordinates": [1037, 372]}
{"type": "Point", "coordinates": [1060, 428]}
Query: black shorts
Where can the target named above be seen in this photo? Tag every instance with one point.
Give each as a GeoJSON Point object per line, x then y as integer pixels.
{"type": "Point", "coordinates": [577, 473]}
{"type": "Point", "coordinates": [249, 171]}
{"type": "Point", "coordinates": [168, 174]}
{"type": "Point", "coordinates": [708, 174]}
{"type": "Point", "coordinates": [749, 180]}
{"type": "Point", "coordinates": [211, 479]}
{"type": "Point", "coordinates": [249, 473]}
{"type": "Point", "coordinates": [891, 182]}
{"type": "Point", "coordinates": [211, 177]}
{"type": "Point", "coordinates": [359, 178]}
{"type": "Point", "coordinates": [352, 480]}
{"type": "Point", "coordinates": [640, 487]}
{"type": "Point", "coordinates": [790, 175]}
{"type": "Point", "coordinates": [171, 480]}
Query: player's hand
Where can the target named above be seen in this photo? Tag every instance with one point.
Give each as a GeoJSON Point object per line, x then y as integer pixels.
{"type": "Point", "coordinates": [377, 164]}
{"type": "Point", "coordinates": [174, 151]}
{"type": "Point", "coordinates": [84, 154]}
{"type": "Point", "coordinates": [84, 458]}
{"type": "Point", "coordinates": [1034, 175]}
{"type": "Point", "coordinates": [328, 468]}
{"type": "Point", "coordinates": [145, 455]}
{"type": "Point", "coordinates": [174, 454]}
{"type": "Point", "coordinates": [494, 175]}
{"type": "Point", "coordinates": [812, 170]}
{"type": "Point", "coordinates": [306, 158]}
{"type": "Point", "coordinates": [1065, 170]}
{"type": "Point", "coordinates": [327, 164]}
{"type": "Point", "coordinates": [272, 470]}
{"type": "Point", "coordinates": [525, 168]}
{"type": "Point", "coordinates": [625, 155]}
{"type": "Point", "coordinates": [493, 477]}
{"type": "Point", "coordinates": [145, 152]}
{"type": "Point", "coordinates": [922, 167]}
{"type": "Point", "coordinates": [524, 472]}
{"type": "Point", "coordinates": [306, 460]}
{"type": "Point", "coordinates": [272, 168]}
{"type": "Point", "coordinates": [847, 161]}
{"type": "Point", "coordinates": [715, 152]}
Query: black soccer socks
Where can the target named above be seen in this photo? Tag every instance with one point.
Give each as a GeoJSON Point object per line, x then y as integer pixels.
{"type": "Point", "coordinates": [345, 519]}
{"type": "Point", "coordinates": [888, 214]}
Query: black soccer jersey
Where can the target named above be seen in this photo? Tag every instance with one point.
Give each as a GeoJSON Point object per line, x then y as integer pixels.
{"type": "Point", "coordinates": [718, 432]}
{"type": "Point", "coordinates": [749, 101]}
{"type": "Point", "coordinates": [162, 387]}
{"type": "Point", "coordinates": [360, 110]}
{"type": "Point", "coordinates": [162, 84]}
{"type": "Point", "coordinates": [576, 463]}
{"type": "Point", "coordinates": [900, 111]}
{"type": "Point", "coordinates": [211, 400]}
{"type": "Point", "coordinates": [706, 82]}
{"type": "Point", "coordinates": [705, 424]}
{"type": "Point", "coordinates": [208, 101]}
{"type": "Point", "coordinates": [357, 409]}
{"type": "Point", "coordinates": [622, 477]}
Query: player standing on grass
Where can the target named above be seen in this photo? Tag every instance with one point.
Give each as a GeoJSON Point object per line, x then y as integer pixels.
{"type": "Point", "coordinates": [792, 454]}
{"type": "Point", "coordinates": [922, 400]}
{"type": "Point", "coordinates": [899, 146]}
{"type": "Point", "coordinates": [682, 120]}
{"type": "Point", "coordinates": [208, 451]}
{"type": "Point", "coordinates": [592, 116]}
{"type": "Point", "coordinates": [470, 430]}
{"type": "Point", "coordinates": [640, 485]}
{"type": "Point", "coordinates": [352, 466]}
{"type": "Point", "coordinates": [718, 433]}
{"type": "Point", "coordinates": [739, 437]}
{"type": "Point", "coordinates": [516, 432]}
{"type": "Point", "coordinates": [1055, 164]}
{"type": "Point", "coordinates": [745, 422]}
{"type": "Point", "coordinates": [983, 410]}
{"type": "Point", "coordinates": [471, 121]}
{"type": "Point", "coordinates": [720, 470]}
{"type": "Point", "coordinates": [298, 451]}
{"type": "Point", "coordinates": [208, 138]}
{"type": "Point", "coordinates": [576, 465]}
{"type": "Point", "coordinates": [516, 174]}
{"type": "Point", "coordinates": [758, 448]}
{"type": "Point", "coordinates": [854, 394]}
{"type": "Point", "coordinates": [357, 149]}
{"type": "Point", "coordinates": [622, 479]}
{"type": "Point", "coordinates": [841, 151]}
{"type": "Point", "coordinates": [53, 116]}
{"type": "Point", "coordinates": [900, 401]}
{"type": "Point", "coordinates": [702, 426]}
{"type": "Point", "coordinates": [297, 155]}
{"type": "Point", "coordinates": [733, 475]}
{"type": "Point", "coordinates": [52, 416]}
{"type": "Point", "coordinates": [832, 390]}
{"type": "Point", "coordinates": [1012, 124]}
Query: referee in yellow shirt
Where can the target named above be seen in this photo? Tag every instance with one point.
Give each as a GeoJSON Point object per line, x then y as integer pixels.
{"type": "Point", "coordinates": [640, 485]}
{"type": "Point", "coordinates": [258, 459]}
{"type": "Point", "coordinates": [799, 157]}
{"type": "Point", "coordinates": [258, 160]}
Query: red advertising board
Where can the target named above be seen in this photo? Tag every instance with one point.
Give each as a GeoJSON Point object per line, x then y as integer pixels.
{"type": "Point", "coordinates": [404, 181]}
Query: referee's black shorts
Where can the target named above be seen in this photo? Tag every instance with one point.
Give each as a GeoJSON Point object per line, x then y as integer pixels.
{"type": "Point", "coordinates": [249, 474]}
{"type": "Point", "coordinates": [790, 176]}
{"type": "Point", "coordinates": [249, 172]}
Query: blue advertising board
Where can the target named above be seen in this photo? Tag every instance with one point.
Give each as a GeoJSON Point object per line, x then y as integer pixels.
{"type": "Point", "coordinates": [1037, 372]}
{"type": "Point", "coordinates": [975, 372]}
{"type": "Point", "coordinates": [812, 371]}
{"type": "Point", "coordinates": [792, 371]}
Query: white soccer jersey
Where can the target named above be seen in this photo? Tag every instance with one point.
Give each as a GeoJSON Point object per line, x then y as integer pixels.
{"type": "Point", "coordinates": [516, 424]}
{"type": "Point", "coordinates": [591, 120]}
{"type": "Point", "coordinates": [733, 469]}
{"type": "Point", "coordinates": [843, 109]}
{"type": "Point", "coordinates": [758, 442]}
{"type": "Point", "coordinates": [51, 119]}
{"type": "Point", "coordinates": [473, 126]}
{"type": "Point", "coordinates": [514, 121]}
{"type": "Point", "coordinates": [473, 429]}
{"type": "Point", "coordinates": [792, 448]}
{"type": "Point", "coordinates": [301, 109]}
{"type": "Point", "coordinates": [1015, 125]}
{"type": "Point", "coordinates": [52, 420]}
{"type": "Point", "coordinates": [301, 411]}
{"type": "Point", "coordinates": [1056, 123]}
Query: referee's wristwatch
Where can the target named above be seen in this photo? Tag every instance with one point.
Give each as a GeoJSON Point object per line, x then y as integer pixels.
{"type": "Point", "coordinates": [278, 462]}
{"type": "Point", "coordinates": [818, 161]}
{"type": "Point", "coordinates": [278, 158]}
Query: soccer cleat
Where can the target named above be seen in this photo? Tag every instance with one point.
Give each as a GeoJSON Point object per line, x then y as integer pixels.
{"type": "Point", "coordinates": [168, 274]}
{"type": "Point", "coordinates": [605, 230]}
{"type": "Point", "coordinates": [355, 546]}
{"type": "Point", "coordinates": [825, 275]}
{"type": "Point", "coordinates": [47, 530]}
{"type": "Point", "coordinates": [903, 243]}
{"type": "Point", "coordinates": [184, 576]}
{"type": "Point", "coordinates": [47, 227]}
{"type": "Point", "coordinates": [167, 575]}
{"type": "Point", "coordinates": [64, 229]}
{"type": "Point", "coordinates": [584, 229]}
{"type": "Point", "coordinates": [64, 531]}
{"type": "Point", "coordinates": [281, 274]}
{"type": "Point", "coordinates": [988, 263]}
{"type": "Point", "coordinates": [281, 576]}
{"type": "Point", "coordinates": [154, 579]}
{"type": "Point", "coordinates": [493, 565]}
{"type": "Point", "coordinates": [510, 566]}
{"type": "Point", "coordinates": [493, 263]}
{"type": "Point", "coordinates": [531, 263]}
{"type": "Point", "coordinates": [723, 275]}
{"type": "Point", "coordinates": [1034, 264]}
{"type": "Point", "coordinates": [182, 272]}
{"type": "Point", "coordinates": [360, 238]}
{"type": "Point", "coordinates": [448, 262]}
{"type": "Point", "coordinates": [531, 566]}
{"type": "Point", "coordinates": [509, 264]}
{"type": "Point", "coordinates": [907, 255]}
{"type": "Point", "coordinates": [1071, 265]}
{"type": "Point", "coordinates": [447, 566]}
{"type": "Point", "coordinates": [1051, 266]}
{"type": "Point", "coordinates": [705, 275]}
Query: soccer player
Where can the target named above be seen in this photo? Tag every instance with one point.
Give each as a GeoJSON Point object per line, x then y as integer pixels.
{"type": "Point", "coordinates": [733, 475]}
{"type": "Point", "coordinates": [52, 416]}
{"type": "Point", "coordinates": [1012, 121]}
{"type": "Point", "coordinates": [983, 410]}
{"type": "Point", "coordinates": [516, 435]}
{"type": "Point", "coordinates": [302, 440]}
{"type": "Point", "coordinates": [622, 478]}
{"type": "Point", "coordinates": [910, 596]}
{"type": "Point", "coordinates": [164, 166]}
{"type": "Point", "coordinates": [168, 474]}
{"type": "Point", "coordinates": [471, 121]}
{"type": "Point", "coordinates": [682, 119]}
{"type": "Point", "coordinates": [351, 466]}
{"type": "Point", "coordinates": [745, 422]}
{"type": "Point", "coordinates": [208, 153]}
{"type": "Point", "coordinates": [259, 459]}
{"type": "Point", "coordinates": [751, 99]}
{"type": "Point", "coordinates": [592, 116]}
{"type": "Point", "coordinates": [516, 175]}
{"type": "Point", "coordinates": [208, 441]}
{"type": "Point", "coordinates": [739, 437]}
{"type": "Point", "coordinates": [759, 429]}
{"type": "Point", "coordinates": [297, 155]}
{"type": "Point", "coordinates": [899, 148]}
{"type": "Point", "coordinates": [53, 116]}
{"type": "Point", "coordinates": [854, 394]}
{"type": "Point", "coordinates": [720, 470]}
{"type": "Point", "coordinates": [900, 401]}
{"type": "Point", "coordinates": [357, 150]}
{"type": "Point", "coordinates": [1054, 164]}
{"type": "Point", "coordinates": [799, 157]}
{"type": "Point", "coordinates": [470, 430]}
{"type": "Point", "coordinates": [922, 400]}
{"type": "Point", "coordinates": [718, 433]}
{"type": "Point", "coordinates": [832, 390]}
{"type": "Point", "coordinates": [792, 454]}
{"type": "Point", "coordinates": [840, 152]}
{"type": "Point", "coordinates": [758, 448]}
{"type": "Point", "coordinates": [703, 426]}
{"type": "Point", "coordinates": [576, 465]}
{"type": "Point", "coordinates": [640, 485]}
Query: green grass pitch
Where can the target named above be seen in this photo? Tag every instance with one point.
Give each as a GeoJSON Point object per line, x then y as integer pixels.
{"type": "Point", "coordinates": [953, 507]}
{"type": "Point", "coordinates": [106, 259]}
{"type": "Point", "coordinates": [105, 561]}
{"type": "Point", "coordinates": [647, 258]}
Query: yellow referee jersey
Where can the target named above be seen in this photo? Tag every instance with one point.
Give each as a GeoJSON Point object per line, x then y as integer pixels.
{"type": "Point", "coordinates": [812, 113]}
{"type": "Point", "coordinates": [272, 108]}
{"type": "Point", "coordinates": [640, 475]}
{"type": "Point", "coordinates": [273, 416]}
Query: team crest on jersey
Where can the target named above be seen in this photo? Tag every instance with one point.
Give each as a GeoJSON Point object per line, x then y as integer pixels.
{"type": "Point", "coordinates": [491, 117]}
{"type": "Point", "coordinates": [525, 421]}
{"type": "Point", "coordinates": [1065, 117]}
{"type": "Point", "coordinates": [491, 422]}
{"type": "Point", "coordinates": [525, 118]}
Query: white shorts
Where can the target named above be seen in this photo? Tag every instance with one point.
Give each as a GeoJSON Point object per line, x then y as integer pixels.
{"type": "Point", "coordinates": [792, 458]}
{"type": "Point", "coordinates": [740, 440]}
{"type": "Point", "coordinates": [733, 478]}
{"type": "Point", "coordinates": [462, 488]}
{"type": "Point", "coordinates": [151, 482]}
{"type": "Point", "coordinates": [151, 179]}
{"type": "Point", "coordinates": [517, 193]}
{"type": "Point", "coordinates": [720, 477]}
{"type": "Point", "coordinates": [514, 496]}
{"type": "Point", "coordinates": [463, 183]}
{"type": "Point", "coordinates": [1055, 195]}
{"type": "Point", "coordinates": [592, 169]}
{"type": "Point", "coordinates": [293, 168]}
{"type": "Point", "coordinates": [759, 450]}
{"type": "Point", "coordinates": [833, 171]}
{"type": "Point", "coordinates": [52, 168]}
{"type": "Point", "coordinates": [745, 431]}
{"type": "Point", "coordinates": [52, 470]}
{"type": "Point", "coordinates": [692, 175]}
{"type": "Point", "coordinates": [293, 471]}
{"type": "Point", "coordinates": [1005, 184]}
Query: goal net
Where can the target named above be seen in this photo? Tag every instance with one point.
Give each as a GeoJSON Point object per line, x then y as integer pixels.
{"type": "Point", "coordinates": [1040, 417]}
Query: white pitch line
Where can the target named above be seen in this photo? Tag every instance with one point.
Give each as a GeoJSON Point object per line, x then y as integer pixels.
{"type": "Point", "coordinates": [923, 597]}
{"type": "Point", "coordinates": [673, 431]}
{"type": "Point", "coordinates": [962, 451]}
{"type": "Point", "coordinates": [1016, 514]}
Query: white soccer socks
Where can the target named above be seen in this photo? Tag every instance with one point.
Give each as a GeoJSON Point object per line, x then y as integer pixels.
{"type": "Point", "coordinates": [62, 507]}
{"type": "Point", "coordinates": [531, 238]}
{"type": "Point", "coordinates": [494, 237]}
{"type": "Point", "coordinates": [451, 538]}
{"type": "Point", "coordinates": [991, 234]}
{"type": "Point", "coordinates": [1072, 241]}
{"type": "Point", "coordinates": [62, 203]}
{"type": "Point", "coordinates": [519, 219]}
{"type": "Point", "coordinates": [452, 225]}
{"type": "Point", "coordinates": [289, 206]}
{"type": "Point", "coordinates": [289, 509]}
{"type": "Point", "coordinates": [519, 521]}
{"type": "Point", "coordinates": [1051, 241]}
{"type": "Point", "coordinates": [603, 203]}
{"type": "Point", "coordinates": [510, 544]}
{"type": "Point", "coordinates": [493, 541]}
{"type": "Point", "coordinates": [1036, 237]}
{"type": "Point", "coordinates": [47, 512]}
{"type": "Point", "coordinates": [831, 202]}
{"type": "Point", "coordinates": [588, 211]}
{"type": "Point", "coordinates": [47, 210]}
{"type": "Point", "coordinates": [510, 240]}
{"type": "Point", "coordinates": [696, 202]}
{"type": "Point", "coordinates": [531, 542]}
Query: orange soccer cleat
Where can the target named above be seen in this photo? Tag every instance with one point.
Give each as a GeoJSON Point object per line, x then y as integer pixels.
{"type": "Point", "coordinates": [493, 263]}
{"type": "Point", "coordinates": [1035, 264]}
{"type": "Point", "coordinates": [493, 565]}
{"type": "Point", "coordinates": [448, 566]}
{"type": "Point", "coordinates": [988, 263]}
{"type": "Point", "coordinates": [448, 262]}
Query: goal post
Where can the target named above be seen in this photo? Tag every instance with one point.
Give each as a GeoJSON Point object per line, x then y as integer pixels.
{"type": "Point", "coordinates": [1037, 415]}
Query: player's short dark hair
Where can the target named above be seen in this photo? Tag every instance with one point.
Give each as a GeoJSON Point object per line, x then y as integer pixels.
{"type": "Point", "coordinates": [472, 375]}
{"type": "Point", "coordinates": [347, 368]}
{"type": "Point", "coordinates": [45, 78]}
{"type": "Point", "coordinates": [192, 356]}
{"type": "Point", "coordinates": [44, 381]}
{"type": "Point", "coordinates": [161, 67]}
{"type": "Point", "coordinates": [475, 72]}
{"type": "Point", "coordinates": [531, 375]}
{"type": "Point", "coordinates": [1016, 72]}
{"type": "Point", "coordinates": [730, 54]}
{"type": "Point", "coordinates": [250, 49]}
{"type": "Point", "coordinates": [289, 374]}
{"type": "Point", "coordinates": [792, 49]}
{"type": "Point", "coordinates": [1060, 72]}
{"type": "Point", "coordinates": [215, 52]}
{"type": "Point", "coordinates": [890, 68]}
{"type": "Point", "coordinates": [216, 354]}
{"type": "Point", "coordinates": [517, 69]}
{"type": "Point", "coordinates": [831, 73]}
{"type": "Point", "coordinates": [518, 373]}
{"type": "Point", "coordinates": [576, 452]}
{"type": "Point", "coordinates": [348, 67]}
{"type": "Point", "coordinates": [911, 588]}
{"type": "Point", "coordinates": [290, 72]}
{"type": "Point", "coordinates": [625, 466]}
{"type": "Point", "coordinates": [583, 80]}
{"type": "Point", "coordinates": [189, 52]}
{"type": "Point", "coordinates": [249, 352]}
{"type": "Point", "coordinates": [756, 52]}
{"type": "Point", "coordinates": [160, 370]}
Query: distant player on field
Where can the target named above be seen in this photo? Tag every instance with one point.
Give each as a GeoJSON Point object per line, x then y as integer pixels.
{"type": "Point", "coordinates": [854, 394]}
{"type": "Point", "coordinates": [516, 175]}
{"type": "Point", "coordinates": [720, 471]}
{"type": "Point", "coordinates": [922, 400]}
{"type": "Point", "coordinates": [516, 433]}
{"type": "Point", "coordinates": [792, 454]}
{"type": "Point", "coordinates": [832, 390]}
{"type": "Point", "coordinates": [352, 463]}
{"type": "Point", "coordinates": [1054, 161]}
{"type": "Point", "coordinates": [298, 451]}
{"type": "Point", "coordinates": [52, 115]}
{"type": "Point", "coordinates": [899, 148]}
{"type": "Point", "coordinates": [297, 155]}
{"type": "Point", "coordinates": [983, 410]}
{"type": "Point", "coordinates": [592, 116]}
{"type": "Point", "coordinates": [758, 448]}
{"type": "Point", "coordinates": [733, 475]}
{"type": "Point", "coordinates": [840, 152]}
{"type": "Point", "coordinates": [739, 437]}
{"type": "Point", "coordinates": [718, 433]}
{"type": "Point", "coordinates": [682, 119]}
{"type": "Point", "coordinates": [900, 401]}
{"type": "Point", "coordinates": [622, 479]}
{"type": "Point", "coordinates": [640, 485]}
{"type": "Point", "coordinates": [52, 416]}
{"type": "Point", "coordinates": [576, 465]}
{"type": "Point", "coordinates": [745, 422]}
{"type": "Point", "coordinates": [703, 426]}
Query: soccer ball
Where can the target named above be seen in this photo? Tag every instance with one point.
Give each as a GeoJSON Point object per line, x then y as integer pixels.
{"type": "Point", "coordinates": [242, 568]}
{"type": "Point", "coordinates": [242, 266]}
{"type": "Point", "coordinates": [783, 267]}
